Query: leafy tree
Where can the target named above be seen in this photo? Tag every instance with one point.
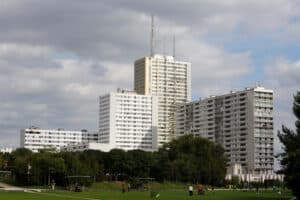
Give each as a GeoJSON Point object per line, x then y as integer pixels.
{"type": "Point", "coordinates": [186, 159]}
{"type": "Point", "coordinates": [46, 167]}
{"type": "Point", "coordinates": [18, 163]}
{"type": "Point", "coordinates": [72, 162]}
{"type": "Point", "coordinates": [140, 163]}
{"type": "Point", "coordinates": [162, 169]}
{"type": "Point", "coordinates": [1, 161]}
{"type": "Point", "coordinates": [235, 181]}
{"type": "Point", "coordinates": [117, 164]}
{"type": "Point", "coordinates": [291, 157]}
{"type": "Point", "coordinates": [93, 163]}
{"type": "Point", "coordinates": [191, 159]}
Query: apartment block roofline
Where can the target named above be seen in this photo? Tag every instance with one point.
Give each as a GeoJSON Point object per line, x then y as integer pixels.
{"type": "Point", "coordinates": [58, 129]}
{"type": "Point", "coordinates": [125, 91]}
{"type": "Point", "coordinates": [122, 90]}
{"type": "Point", "coordinates": [165, 57]}
{"type": "Point", "coordinates": [256, 88]}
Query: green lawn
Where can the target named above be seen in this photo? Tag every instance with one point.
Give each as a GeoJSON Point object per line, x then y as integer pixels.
{"type": "Point", "coordinates": [116, 186]}
{"type": "Point", "coordinates": [165, 195]}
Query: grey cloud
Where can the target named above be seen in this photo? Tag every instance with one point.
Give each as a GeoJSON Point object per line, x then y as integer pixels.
{"type": "Point", "coordinates": [120, 29]}
{"type": "Point", "coordinates": [98, 69]}
{"type": "Point", "coordinates": [65, 95]}
{"type": "Point", "coordinates": [89, 29]}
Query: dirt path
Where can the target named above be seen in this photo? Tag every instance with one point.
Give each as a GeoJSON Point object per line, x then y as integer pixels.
{"type": "Point", "coordinates": [7, 187]}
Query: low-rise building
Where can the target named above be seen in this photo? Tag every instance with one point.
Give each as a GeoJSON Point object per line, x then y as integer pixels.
{"type": "Point", "coordinates": [34, 138]}
{"type": "Point", "coordinates": [236, 170]}
{"type": "Point", "coordinates": [87, 146]}
{"type": "Point", "coordinates": [6, 150]}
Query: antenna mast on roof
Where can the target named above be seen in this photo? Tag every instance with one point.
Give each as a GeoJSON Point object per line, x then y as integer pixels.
{"type": "Point", "coordinates": [152, 36]}
{"type": "Point", "coordinates": [174, 47]}
{"type": "Point", "coordinates": [164, 45]}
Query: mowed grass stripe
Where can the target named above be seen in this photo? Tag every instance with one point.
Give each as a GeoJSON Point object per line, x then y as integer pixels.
{"type": "Point", "coordinates": [164, 195]}
{"type": "Point", "coordinates": [62, 195]}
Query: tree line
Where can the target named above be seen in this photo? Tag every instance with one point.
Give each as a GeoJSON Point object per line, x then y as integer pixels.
{"type": "Point", "coordinates": [186, 159]}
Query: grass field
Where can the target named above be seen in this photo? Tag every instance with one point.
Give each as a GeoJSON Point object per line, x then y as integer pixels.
{"type": "Point", "coordinates": [164, 195]}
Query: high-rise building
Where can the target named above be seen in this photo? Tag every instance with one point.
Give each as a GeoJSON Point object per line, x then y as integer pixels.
{"type": "Point", "coordinates": [128, 120]}
{"type": "Point", "coordinates": [170, 81]}
{"type": "Point", "coordinates": [34, 138]}
{"type": "Point", "coordinates": [241, 121]}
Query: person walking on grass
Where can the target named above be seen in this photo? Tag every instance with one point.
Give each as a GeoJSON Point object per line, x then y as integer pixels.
{"type": "Point", "coordinates": [200, 189]}
{"type": "Point", "coordinates": [191, 190]}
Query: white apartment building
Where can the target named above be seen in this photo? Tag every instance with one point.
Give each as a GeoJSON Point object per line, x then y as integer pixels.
{"type": "Point", "coordinates": [6, 150]}
{"type": "Point", "coordinates": [241, 121]}
{"type": "Point", "coordinates": [87, 146]}
{"type": "Point", "coordinates": [170, 81]}
{"type": "Point", "coordinates": [236, 170]}
{"type": "Point", "coordinates": [35, 139]}
{"type": "Point", "coordinates": [128, 120]}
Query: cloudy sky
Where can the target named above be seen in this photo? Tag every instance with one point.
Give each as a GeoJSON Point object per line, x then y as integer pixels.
{"type": "Point", "coordinates": [58, 56]}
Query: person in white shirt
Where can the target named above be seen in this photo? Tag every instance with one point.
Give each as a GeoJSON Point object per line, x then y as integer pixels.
{"type": "Point", "coordinates": [191, 190]}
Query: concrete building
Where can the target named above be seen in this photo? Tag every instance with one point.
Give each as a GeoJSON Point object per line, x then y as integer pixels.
{"type": "Point", "coordinates": [35, 139]}
{"type": "Point", "coordinates": [6, 150]}
{"type": "Point", "coordinates": [241, 121]}
{"type": "Point", "coordinates": [87, 146]}
{"type": "Point", "coordinates": [170, 81]}
{"type": "Point", "coordinates": [236, 170]}
{"type": "Point", "coordinates": [128, 120]}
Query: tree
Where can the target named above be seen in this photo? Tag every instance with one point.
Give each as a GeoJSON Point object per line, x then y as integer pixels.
{"type": "Point", "coordinates": [93, 162]}
{"type": "Point", "coordinates": [235, 181]}
{"type": "Point", "coordinates": [1, 161]}
{"type": "Point", "coordinates": [18, 163]}
{"type": "Point", "coordinates": [117, 164]}
{"type": "Point", "coordinates": [291, 145]}
{"type": "Point", "coordinates": [190, 159]}
{"type": "Point", "coordinates": [47, 166]}
{"type": "Point", "coordinates": [140, 163]}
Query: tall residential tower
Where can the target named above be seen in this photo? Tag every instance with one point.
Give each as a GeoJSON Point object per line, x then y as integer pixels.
{"type": "Point", "coordinates": [170, 81]}
{"type": "Point", "coordinates": [241, 121]}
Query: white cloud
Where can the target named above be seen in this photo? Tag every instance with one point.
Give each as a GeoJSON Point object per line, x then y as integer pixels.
{"type": "Point", "coordinates": [282, 75]}
{"type": "Point", "coordinates": [23, 50]}
{"type": "Point", "coordinates": [213, 69]}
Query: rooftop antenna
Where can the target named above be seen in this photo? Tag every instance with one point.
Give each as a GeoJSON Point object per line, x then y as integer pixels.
{"type": "Point", "coordinates": [152, 36]}
{"type": "Point", "coordinates": [174, 47]}
{"type": "Point", "coordinates": [164, 45]}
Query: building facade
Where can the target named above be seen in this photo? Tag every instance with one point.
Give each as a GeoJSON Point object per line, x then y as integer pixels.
{"type": "Point", "coordinates": [170, 81]}
{"type": "Point", "coordinates": [35, 139]}
{"type": "Point", "coordinates": [128, 120]}
{"type": "Point", "coordinates": [236, 170]}
{"type": "Point", "coordinates": [241, 121]}
{"type": "Point", "coordinates": [87, 146]}
{"type": "Point", "coordinates": [6, 150]}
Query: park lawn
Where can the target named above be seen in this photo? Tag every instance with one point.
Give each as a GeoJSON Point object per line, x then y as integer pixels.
{"type": "Point", "coordinates": [116, 186]}
{"type": "Point", "coordinates": [164, 195]}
